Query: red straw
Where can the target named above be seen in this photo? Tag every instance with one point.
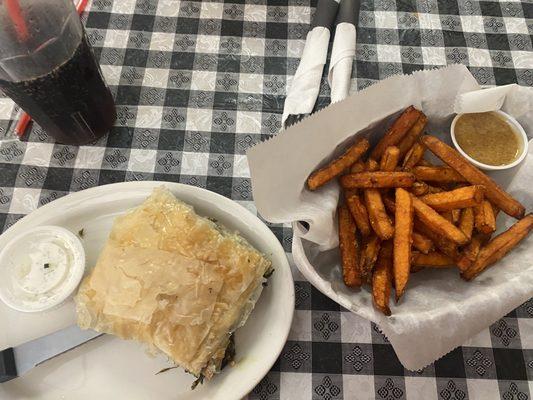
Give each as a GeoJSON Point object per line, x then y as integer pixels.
{"type": "Point", "coordinates": [22, 124]}
{"type": "Point", "coordinates": [14, 11]}
{"type": "Point", "coordinates": [81, 6]}
{"type": "Point", "coordinates": [25, 119]}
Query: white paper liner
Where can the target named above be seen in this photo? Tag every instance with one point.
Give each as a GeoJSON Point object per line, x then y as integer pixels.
{"type": "Point", "coordinates": [439, 311]}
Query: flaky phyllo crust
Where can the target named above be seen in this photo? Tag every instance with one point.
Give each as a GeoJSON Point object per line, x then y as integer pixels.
{"type": "Point", "coordinates": [174, 281]}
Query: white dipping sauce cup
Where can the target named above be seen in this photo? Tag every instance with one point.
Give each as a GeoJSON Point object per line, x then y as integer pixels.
{"type": "Point", "coordinates": [40, 268]}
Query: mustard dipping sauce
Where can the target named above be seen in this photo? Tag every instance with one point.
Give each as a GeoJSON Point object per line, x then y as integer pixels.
{"type": "Point", "coordinates": [488, 138]}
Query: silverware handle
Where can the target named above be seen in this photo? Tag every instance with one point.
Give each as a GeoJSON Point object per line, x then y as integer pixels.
{"type": "Point", "coordinates": [325, 13]}
{"type": "Point", "coordinates": [8, 368]}
{"type": "Point", "coordinates": [349, 11]}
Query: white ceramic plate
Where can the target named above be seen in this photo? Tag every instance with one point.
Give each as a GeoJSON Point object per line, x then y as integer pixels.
{"type": "Point", "coordinates": [112, 368]}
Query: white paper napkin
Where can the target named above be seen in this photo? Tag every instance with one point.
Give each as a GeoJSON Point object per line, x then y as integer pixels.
{"type": "Point", "coordinates": [340, 65]}
{"type": "Point", "coordinates": [305, 86]}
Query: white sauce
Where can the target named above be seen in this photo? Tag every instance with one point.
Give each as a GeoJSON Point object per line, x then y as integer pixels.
{"type": "Point", "coordinates": [42, 268]}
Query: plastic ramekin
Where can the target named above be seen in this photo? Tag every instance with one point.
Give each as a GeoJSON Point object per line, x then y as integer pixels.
{"type": "Point", "coordinates": [57, 251]}
{"type": "Point", "coordinates": [511, 121]}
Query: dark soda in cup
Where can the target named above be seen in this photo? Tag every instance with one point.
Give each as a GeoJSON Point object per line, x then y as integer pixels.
{"type": "Point", "coordinates": [47, 67]}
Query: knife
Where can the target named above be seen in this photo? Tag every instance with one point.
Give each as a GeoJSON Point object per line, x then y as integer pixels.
{"type": "Point", "coordinates": [16, 361]}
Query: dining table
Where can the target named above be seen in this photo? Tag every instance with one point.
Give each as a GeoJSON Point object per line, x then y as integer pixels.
{"type": "Point", "coordinates": [198, 83]}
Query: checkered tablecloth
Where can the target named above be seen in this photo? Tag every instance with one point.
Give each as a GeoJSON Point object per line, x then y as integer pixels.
{"type": "Point", "coordinates": [197, 83]}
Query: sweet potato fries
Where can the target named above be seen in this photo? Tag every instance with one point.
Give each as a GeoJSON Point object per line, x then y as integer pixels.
{"type": "Point", "coordinates": [338, 166]}
{"type": "Point", "coordinates": [401, 214]}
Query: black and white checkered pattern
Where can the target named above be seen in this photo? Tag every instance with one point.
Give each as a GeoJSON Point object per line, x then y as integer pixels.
{"type": "Point", "coordinates": [198, 83]}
